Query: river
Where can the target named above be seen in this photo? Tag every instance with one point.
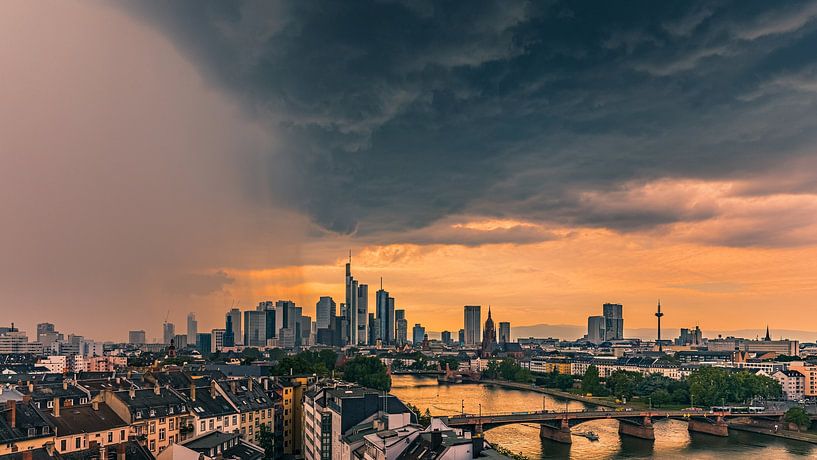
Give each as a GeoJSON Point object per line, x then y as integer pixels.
{"type": "Point", "coordinates": [672, 439]}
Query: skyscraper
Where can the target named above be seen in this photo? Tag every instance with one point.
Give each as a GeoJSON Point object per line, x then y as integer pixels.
{"type": "Point", "coordinates": [374, 329]}
{"type": "Point", "coordinates": [398, 315]}
{"type": "Point", "coordinates": [461, 336]}
{"type": "Point", "coordinates": [385, 315]}
{"type": "Point", "coordinates": [504, 332]}
{"type": "Point", "coordinates": [613, 321]}
{"type": "Point", "coordinates": [356, 314]}
{"type": "Point", "coordinates": [417, 334]}
{"type": "Point", "coordinates": [362, 306]}
{"type": "Point", "coordinates": [596, 329]}
{"type": "Point", "coordinates": [235, 313]}
{"type": "Point", "coordinates": [325, 310]}
{"type": "Point", "coordinates": [169, 331]}
{"type": "Point", "coordinates": [402, 332]}
{"type": "Point", "coordinates": [255, 328]}
{"type": "Point", "coordinates": [445, 336]}
{"type": "Point", "coordinates": [204, 343]}
{"type": "Point", "coordinates": [192, 328]}
{"type": "Point", "coordinates": [270, 326]}
{"type": "Point", "coordinates": [472, 324]}
{"type": "Point", "coordinates": [136, 337]}
{"type": "Point", "coordinates": [228, 338]}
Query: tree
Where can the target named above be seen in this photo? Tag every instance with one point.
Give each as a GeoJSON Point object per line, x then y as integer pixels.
{"type": "Point", "coordinates": [423, 418]}
{"type": "Point", "coordinates": [266, 440]}
{"type": "Point", "coordinates": [250, 354]}
{"type": "Point", "coordinates": [623, 383]}
{"type": "Point", "coordinates": [713, 386]}
{"type": "Point", "coordinates": [367, 371]}
{"type": "Point", "coordinates": [591, 383]}
{"type": "Point", "coordinates": [799, 417]}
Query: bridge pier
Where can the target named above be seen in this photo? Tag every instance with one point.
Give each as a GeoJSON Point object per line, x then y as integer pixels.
{"type": "Point", "coordinates": [642, 429]}
{"type": "Point", "coordinates": [717, 428]}
{"type": "Point", "coordinates": [560, 434]}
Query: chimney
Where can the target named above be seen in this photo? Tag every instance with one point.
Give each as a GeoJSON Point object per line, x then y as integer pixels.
{"type": "Point", "coordinates": [56, 406]}
{"type": "Point", "coordinates": [249, 383]}
{"type": "Point", "coordinates": [232, 386]}
{"type": "Point", "coordinates": [436, 439]}
{"type": "Point", "coordinates": [12, 407]}
{"type": "Point", "coordinates": [132, 392]}
{"type": "Point", "coordinates": [65, 384]}
{"type": "Point", "coordinates": [30, 387]}
{"type": "Point", "coordinates": [213, 391]}
{"type": "Point", "coordinates": [193, 392]}
{"type": "Point", "coordinates": [266, 384]}
{"type": "Point", "coordinates": [95, 404]}
{"type": "Point", "coordinates": [120, 452]}
{"type": "Point", "coordinates": [157, 390]}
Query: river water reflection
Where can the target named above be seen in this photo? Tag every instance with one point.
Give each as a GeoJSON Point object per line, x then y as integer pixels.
{"type": "Point", "coordinates": [672, 439]}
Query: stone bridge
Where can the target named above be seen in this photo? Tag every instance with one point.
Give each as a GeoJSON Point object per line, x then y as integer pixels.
{"type": "Point", "coordinates": [556, 425]}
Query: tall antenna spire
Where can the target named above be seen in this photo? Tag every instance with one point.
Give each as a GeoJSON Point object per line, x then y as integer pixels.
{"type": "Point", "coordinates": [381, 283]}
{"type": "Point", "coordinates": [350, 256]}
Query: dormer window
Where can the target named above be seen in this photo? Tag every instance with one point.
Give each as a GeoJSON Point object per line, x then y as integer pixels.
{"type": "Point", "coordinates": [32, 431]}
{"type": "Point", "coordinates": [50, 404]}
{"type": "Point", "coordinates": [45, 430]}
{"type": "Point", "coordinates": [138, 414]}
{"type": "Point", "coordinates": [170, 410]}
{"type": "Point", "coordinates": [153, 412]}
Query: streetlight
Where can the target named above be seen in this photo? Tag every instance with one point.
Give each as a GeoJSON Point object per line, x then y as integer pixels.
{"type": "Point", "coordinates": [463, 408]}
{"type": "Point", "coordinates": [480, 411]}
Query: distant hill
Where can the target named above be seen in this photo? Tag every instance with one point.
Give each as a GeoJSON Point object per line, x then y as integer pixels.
{"type": "Point", "coordinates": [572, 332]}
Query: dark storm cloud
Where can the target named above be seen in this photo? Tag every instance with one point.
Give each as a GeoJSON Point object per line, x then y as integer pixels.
{"type": "Point", "coordinates": [401, 114]}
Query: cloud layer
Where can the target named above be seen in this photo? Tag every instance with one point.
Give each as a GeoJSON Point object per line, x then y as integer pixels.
{"type": "Point", "coordinates": [399, 115]}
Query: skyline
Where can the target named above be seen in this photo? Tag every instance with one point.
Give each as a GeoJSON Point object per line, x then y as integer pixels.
{"type": "Point", "coordinates": [540, 159]}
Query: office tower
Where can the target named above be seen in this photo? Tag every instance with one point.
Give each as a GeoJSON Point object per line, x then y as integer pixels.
{"type": "Point", "coordinates": [306, 331]}
{"type": "Point", "coordinates": [297, 322]}
{"type": "Point", "coordinates": [472, 325]}
{"type": "Point", "coordinates": [324, 312]}
{"type": "Point", "coordinates": [218, 339]}
{"type": "Point", "coordinates": [136, 337]}
{"type": "Point", "coordinates": [398, 315]}
{"type": "Point", "coordinates": [228, 338]}
{"type": "Point", "coordinates": [235, 313]}
{"type": "Point", "coordinates": [385, 315]}
{"type": "Point", "coordinates": [179, 341]}
{"type": "Point", "coordinates": [374, 329]}
{"type": "Point", "coordinates": [204, 344]}
{"type": "Point", "coordinates": [461, 337]}
{"type": "Point", "coordinates": [255, 328]}
{"type": "Point", "coordinates": [613, 321]}
{"type": "Point", "coordinates": [169, 330]}
{"type": "Point", "coordinates": [192, 328]}
{"type": "Point", "coordinates": [446, 337]}
{"type": "Point", "coordinates": [285, 316]}
{"type": "Point", "coordinates": [488, 337]}
{"type": "Point", "coordinates": [402, 331]}
{"type": "Point", "coordinates": [362, 313]}
{"type": "Point", "coordinates": [418, 334]}
{"type": "Point", "coordinates": [270, 326]}
{"type": "Point", "coordinates": [356, 307]}
{"type": "Point", "coordinates": [47, 334]}
{"type": "Point", "coordinates": [504, 332]}
{"type": "Point", "coordinates": [596, 329]}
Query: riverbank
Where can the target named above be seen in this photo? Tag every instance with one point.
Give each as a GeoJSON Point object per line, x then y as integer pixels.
{"type": "Point", "coordinates": [549, 391]}
{"type": "Point", "coordinates": [783, 434]}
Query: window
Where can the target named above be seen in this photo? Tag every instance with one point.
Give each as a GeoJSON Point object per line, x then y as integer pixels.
{"type": "Point", "coordinates": [172, 423]}
{"type": "Point", "coordinates": [153, 412]}
{"type": "Point", "coordinates": [110, 436]}
{"type": "Point", "coordinates": [203, 426]}
{"type": "Point", "coordinates": [243, 418]}
{"type": "Point", "coordinates": [45, 429]}
{"type": "Point", "coordinates": [212, 423]}
{"type": "Point", "coordinates": [235, 420]}
{"type": "Point", "coordinates": [226, 421]}
{"type": "Point", "coordinates": [152, 427]}
{"type": "Point", "coordinates": [49, 404]}
{"type": "Point", "coordinates": [153, 446]}
{"type": "Point", "coordinates": [162, 420]}
{"type": "Point", "coordinates": [78, 443]}
{"type": "Point", "coordinates": [122, 435]}
{"type": "Point", "coordinates": [63, 445]}
{"type": "Point", "coordinates": [162, 435]}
